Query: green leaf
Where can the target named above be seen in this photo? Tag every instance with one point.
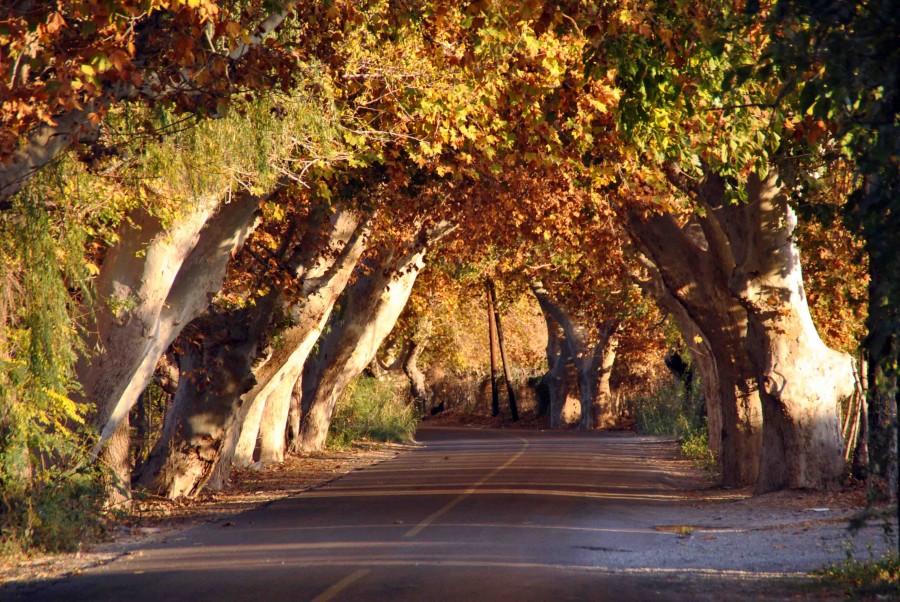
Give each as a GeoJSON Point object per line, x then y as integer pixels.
{"type": "Point", "coordinates": [808, 96]}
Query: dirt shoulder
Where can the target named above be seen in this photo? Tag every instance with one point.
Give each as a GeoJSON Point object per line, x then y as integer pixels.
{"type": "Point", "coordinates": [155, 519]}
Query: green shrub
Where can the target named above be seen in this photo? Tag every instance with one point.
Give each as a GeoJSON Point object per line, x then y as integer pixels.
{"type": "Point", "coordinates": [695, 447]}
{"type": "Point", "coordinates": [52, 512]}
{"type": "Point", "coordinates": [374, 410]}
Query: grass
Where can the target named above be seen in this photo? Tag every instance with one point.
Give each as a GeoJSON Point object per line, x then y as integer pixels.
{"type": "Point", "coordinates": [372, 410]}
{"type": "Point", "coordinates": [877, 578]}
{"type": "Point", "coordinates": [53, 513]}
{"type": "Point", "coordinates": [673, 412]}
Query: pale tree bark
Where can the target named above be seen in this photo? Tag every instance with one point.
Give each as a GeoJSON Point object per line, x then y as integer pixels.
{"type": "Point", "coordinates": [802, 381]}
{"type": "Point", "coordinates": [182, 460]}
{"type": "Point", "coordinates": [691, 267]}
{"type": "Point", "coordinates": [602, 410]}
{"type": "Point", "coordinates": [418, 390]}
{"type": "Point", "coordinates": [208, 418]}
{"type": "Point", "coordinates": [41, 146]}
{"type": "Point", "coordinates": [373, 304]}
{"type": "Point", "coordinates": [294, 414]}
{"type": "Point", "coordinates": [116, 458]}
{"type": "Point", "coordinates": [150, 286]}
{"type": "Point", "coordinates": [593, 360]}
{"type": "Point", "coordinates": [323, 282]}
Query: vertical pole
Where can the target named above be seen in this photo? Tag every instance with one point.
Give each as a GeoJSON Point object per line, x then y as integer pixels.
{"type": "Point", "coordinates": [513, 409]}
{"type": "Point", "coordinates": [492, 334]}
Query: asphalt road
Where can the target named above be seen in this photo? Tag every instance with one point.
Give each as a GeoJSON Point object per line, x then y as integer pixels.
{"type": "Point", "coordinates": [470, 515]}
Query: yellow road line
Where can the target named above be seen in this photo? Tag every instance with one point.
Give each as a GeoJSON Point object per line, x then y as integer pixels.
{"type": "Point", "coordinates": [450, 505]}
{"type": "Point", "coordinates": [341, 585]}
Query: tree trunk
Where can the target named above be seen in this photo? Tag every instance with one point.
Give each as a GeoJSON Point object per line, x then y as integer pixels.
{"type": "Point", "coordinates": [690, 270]}
{"type": "Point", "coordinates": [184, 456]}
{"type": "Point", "coordinates": [233, 360]}
{"type": "Point", "coordinates": [802, 382]}
{"type": "Point", "coordinates": [701, 355]}
{"type": "Point", "coordinates": [601, 409]}
{"type": "Point", "coordinates": [593, 366]}
{"type": "Point", "coordinates": [116, 457]}
{"type": "Point", "coordinates": [559, 383]}
{"type": "Point", "coordinates": [555, 346]}
{"type": "Point", "coordinates": [294, 415]}
{"type": "Point", "coordinates": [507, 375]}
{"type": "Point", "coordinates": [492, 344]}
{"type": "Point", "coordinates": [373, 305]}
{"type": "Point", "coordinates": [152, 284]}
{"type": "Point", "coordinates": [323, 278]}
{"type": "Point", "coordinates": [417, 388]}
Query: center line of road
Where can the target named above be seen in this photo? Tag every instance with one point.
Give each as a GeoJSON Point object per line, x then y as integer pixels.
{"type": "Point", "coordinates": [450, 505]}
{"type": "Point", "coordinates": [341, 585]}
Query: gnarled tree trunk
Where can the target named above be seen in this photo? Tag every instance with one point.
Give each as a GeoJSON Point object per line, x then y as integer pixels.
{"type": "Point", "coordinates": [593, 361]}
{"type": "Point", "coordinates": [373, 305]}
{"type": "Point", "coordinates": [698, 346]}
{"type": "Point", "coordinates": [418, 390]}
{"type": "Point", "coordinates": [802, 381]}
{"type": "Point", "coordinates": [690, 269]}
{"type": "Point", "coordinates": [265, 411]}
{"type": "Point", "coordinates": [205, 403]}
{"type": "Point", "coordinates": [602, 410]}
{"type": "Point", "coordinates": [152, 284]}
{"type": "Point", "coordinates": [208, 417]}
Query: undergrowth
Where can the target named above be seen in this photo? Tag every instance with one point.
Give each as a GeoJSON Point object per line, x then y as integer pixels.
{"type": "Point", "coordinates": [877, 578]}
{"type": "Point", "coordinates": [676, 411]}
{"type": "Point", "coordinates": [52, 512]}
{"type": "Point", "coordinates": [374, 410]}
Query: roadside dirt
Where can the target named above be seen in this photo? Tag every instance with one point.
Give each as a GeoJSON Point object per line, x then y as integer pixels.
{"type": "Point", "coordinates": [155, 519]}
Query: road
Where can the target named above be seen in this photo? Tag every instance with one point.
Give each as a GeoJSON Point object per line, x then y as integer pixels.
{"type": "Point", "coordinates": [469, 515]}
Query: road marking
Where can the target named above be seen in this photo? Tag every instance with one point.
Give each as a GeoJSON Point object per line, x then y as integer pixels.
{"type": "Point", "coordinates": [453, 503]}
{"type": "Point", "coordinates": [341, 585]}
{"type": "Point", "coordinates": [596, 495]}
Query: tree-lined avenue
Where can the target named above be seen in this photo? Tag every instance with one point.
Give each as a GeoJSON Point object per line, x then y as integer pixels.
{"type": "Point", "coordinates": [470, 515]}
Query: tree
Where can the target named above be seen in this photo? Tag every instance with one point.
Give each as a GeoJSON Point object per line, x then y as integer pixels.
{"type": "Point", "coordinates": [68, 63]}
{"type": "Point", "coordinates": [373, 304]}
{"type": "Point", "coordinates": [838, 61]}
{"type": "Point", "coordinates": [221, 378]}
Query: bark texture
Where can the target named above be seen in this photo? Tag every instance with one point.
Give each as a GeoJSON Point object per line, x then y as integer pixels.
{"type": "Point", "coordinates": [690, 268]}
{"type": "Point", "coordinates": [592, 356]}
{"type": "Point", "coordinates": [802, 381]}
{"type": "Point", "coordinates": [226, 350]}
{"type": "Point", "coordinates": [372, 306]}
{"type": "Point", "coordinates": [323, 280]}
{"type": "Point", "coordinates": [418, 389]}
{"type": "Point", "coordinates": [152, 284]}
{"type": "Point", "coordinates": [182, 460]}
{"type": "Point", "coordinates": [734, 274]}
